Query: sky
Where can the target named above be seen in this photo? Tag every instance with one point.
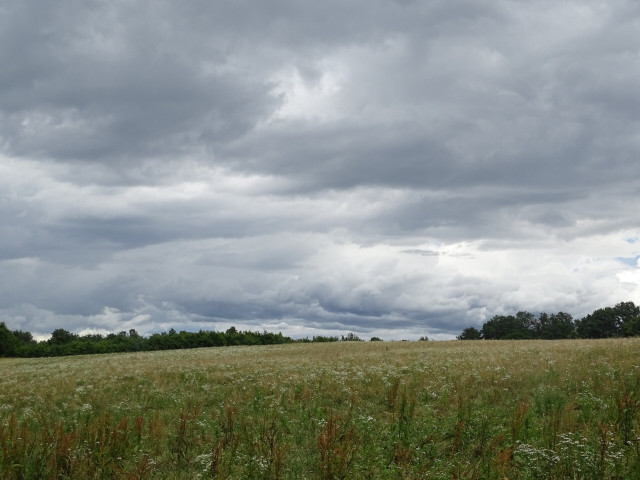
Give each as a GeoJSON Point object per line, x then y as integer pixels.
{"type": "Point", "coordinates": [391, 168]}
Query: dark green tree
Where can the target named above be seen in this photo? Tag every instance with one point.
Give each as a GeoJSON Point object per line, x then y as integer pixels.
{"type": "Point", "coordinates": [504, 327]}
{"type": "Point", "coordinates": [628, 315]}
{"type": "Point", "coordinates": [232, 336]}
{"type": "Point", "coordinates": [61, 337]}
{"type": "Point", "coordinates": [470, 333]}
{"type": "Point", "coordinates": [602, 323]}
{"type": "Point", "coordinates": [8, 342]}
{"type": "Point", "coordinates": [351, 337]}
{"type": "Point", "coordinates": [555, 326]}
{"type": "Point", "coordinates": [23, 337]}
{"type": "Point", "coordinates": [324, 339]}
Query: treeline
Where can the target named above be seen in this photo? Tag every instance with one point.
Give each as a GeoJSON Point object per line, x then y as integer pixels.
{"type": "Point", "coordinates": [21, 344]}
{"type": "Point", "coordinates": [16, 343]}
{"type": "Point", "coordinates": [622, 320]}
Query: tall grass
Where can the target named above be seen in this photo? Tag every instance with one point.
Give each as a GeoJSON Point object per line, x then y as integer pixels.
{"type": "Point", "coordinates": [356, 410]}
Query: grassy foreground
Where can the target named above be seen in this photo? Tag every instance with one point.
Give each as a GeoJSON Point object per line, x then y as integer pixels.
{"type": "Point", "coordinates": [442, 410]}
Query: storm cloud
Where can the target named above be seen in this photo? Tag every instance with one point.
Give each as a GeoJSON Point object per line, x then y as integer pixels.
{"type": "Point", "coordinates": [390, 168]}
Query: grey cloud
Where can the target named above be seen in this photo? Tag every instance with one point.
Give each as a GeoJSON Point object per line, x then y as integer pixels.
{"type": "Point", "coordinates": [86, 89]}
{"type": "Point", "coordinates": [424, 253]}
{"type": "Point", "coordinates": [398, 166]}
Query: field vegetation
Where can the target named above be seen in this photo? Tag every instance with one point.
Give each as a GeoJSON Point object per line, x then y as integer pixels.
{"type": "Point", "coordinates": [340, 410]}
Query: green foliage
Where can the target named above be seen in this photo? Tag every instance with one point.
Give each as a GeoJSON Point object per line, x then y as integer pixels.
{"type": "Point", "coordinates": [61, 337]}
{"type": "Point", "coordinates": [631, 327]}
{"type": "Point", "coordinates": [324, 339]}
{"type": "Point", "coordinates": [602, 323]}
{"type": "Point", "coordinates": [350, 337]}
{"type": "Point", "coordinates": [620, 320]}
{"type": "Point", "coordinates": [62, 342]}
{"type": "Point", "coordinates": [8, 342]}
{"type": "Point", "coordinates": [23, 338]}
{"type": "Point", "coordinates": [509, 327]}
{"type": "Point", "coordinates": [555, 326]}
{"type": "Point", "coordinates": [623, 320]}
{"type": "Point", "coordinates": [470, 333]}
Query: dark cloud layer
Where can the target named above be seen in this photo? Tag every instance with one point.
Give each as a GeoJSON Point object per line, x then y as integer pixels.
{"type": "Point", "coordinates": [395, 168]}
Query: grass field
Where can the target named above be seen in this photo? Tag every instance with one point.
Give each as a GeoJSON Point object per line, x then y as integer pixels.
{"type": "Point", "coordinates": [351, 410]}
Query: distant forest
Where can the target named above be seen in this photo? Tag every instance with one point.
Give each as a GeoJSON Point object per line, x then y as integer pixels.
{"type": "Point", "coordinates": [17, 343]}
{"type": "Point", "coordinates": [623, 320]}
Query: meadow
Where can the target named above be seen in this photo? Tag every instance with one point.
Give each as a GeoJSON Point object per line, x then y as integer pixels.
{"type": "Point", "coordinates": [345, 410]}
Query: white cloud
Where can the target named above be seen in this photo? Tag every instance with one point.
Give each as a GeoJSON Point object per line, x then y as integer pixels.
{"type": "Point", "coordinates": [307, 99]}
